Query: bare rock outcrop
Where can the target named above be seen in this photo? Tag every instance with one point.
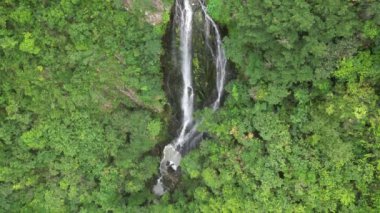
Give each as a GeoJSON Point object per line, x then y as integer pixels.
{"type": "Point", "coordinates": [154, 16]}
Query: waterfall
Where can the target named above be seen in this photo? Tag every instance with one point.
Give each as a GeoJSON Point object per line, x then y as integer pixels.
{"type": "Point", "coordinates": [219, 57]}
{"type": "Point", "coordinates": [188, 135]}
{"type": "Point", "coordinates": [186, 17]}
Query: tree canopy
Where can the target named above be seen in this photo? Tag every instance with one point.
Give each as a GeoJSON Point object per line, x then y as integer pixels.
{"type": "Point", "coordinates": [84, 115]}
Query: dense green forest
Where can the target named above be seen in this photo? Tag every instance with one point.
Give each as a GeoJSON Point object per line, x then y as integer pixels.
{"type": "Point", "coordinates": [84, 115]}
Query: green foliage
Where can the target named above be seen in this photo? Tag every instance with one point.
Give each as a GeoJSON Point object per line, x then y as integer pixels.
{"type": "Point", "coordinates": [82, 109]}
{"type": "Point", "coordinates": [371, 30]}
{"type": "Point", "coordinates": [299, 130]}
{"type": "Point", "coordinates": [80, 106]}
{"type": "Point", "coordinates": [27, 45]}
{"type": "Point", "coordinates": [362, 67]}
{"type": "Point", "coordinates": [281, 44]}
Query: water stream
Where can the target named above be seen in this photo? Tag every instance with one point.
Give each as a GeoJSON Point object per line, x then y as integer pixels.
{"type": "Point", "coordinates": [184, 13]}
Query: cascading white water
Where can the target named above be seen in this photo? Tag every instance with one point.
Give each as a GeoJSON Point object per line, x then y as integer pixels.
{"type": "Point", "coordinates": [172, 152]}
{"type": "Point", "coordinates": [187, 103]}
{"type": "Point", "coordinates": [219, 57]}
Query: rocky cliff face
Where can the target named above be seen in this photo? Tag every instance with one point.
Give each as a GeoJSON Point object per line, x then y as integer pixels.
{"type": "Point", "coordinates": [128, 4]}
{"type": "Point", "coordinates": [154, 12]}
